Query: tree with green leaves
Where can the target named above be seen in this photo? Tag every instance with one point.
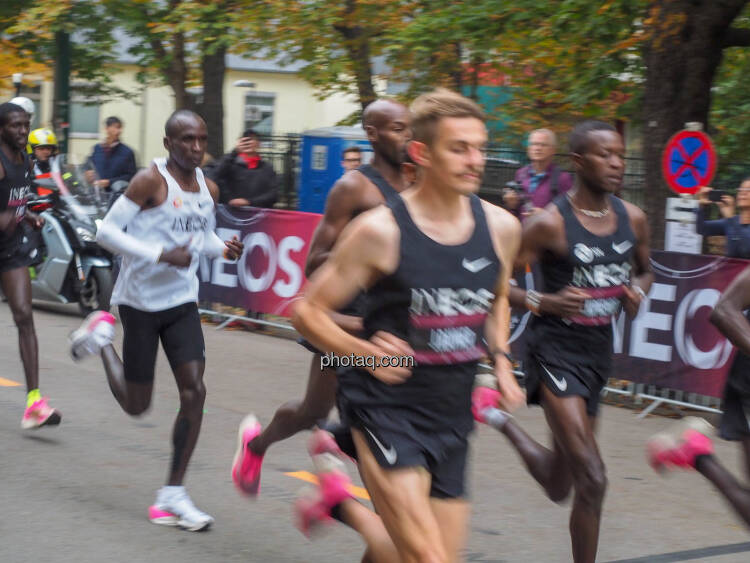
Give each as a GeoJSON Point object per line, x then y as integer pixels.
{"type": "Point", "coordinates": [30, 28]}
{"type": "Point", "coordinates": [183, 43]}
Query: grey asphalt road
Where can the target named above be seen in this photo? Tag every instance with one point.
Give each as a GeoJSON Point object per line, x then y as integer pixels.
{"type": "Point", "coordinates": [80, 492]}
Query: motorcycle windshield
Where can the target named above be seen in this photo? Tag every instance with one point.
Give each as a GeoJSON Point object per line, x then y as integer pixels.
{"type": "Point", "coordinates": [85, 201]}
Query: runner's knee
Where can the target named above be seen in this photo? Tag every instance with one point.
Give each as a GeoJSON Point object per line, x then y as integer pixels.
{"type": "Point", "coordinates": [22, 315]}
{"type": "Point", "coordinates": [590, 478]}
{"type": "Point", "coordinates": [136, 407]}
{"type": "Point", "coordinates": [558, 492]}
{"type": "Point", "coordinates": [193, 396]}
{"type": "Point", "coordinates": [310, 412]}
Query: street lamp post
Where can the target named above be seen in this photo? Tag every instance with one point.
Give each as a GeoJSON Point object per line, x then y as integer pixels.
{"type": "Point", "coordinates": [17, 80]}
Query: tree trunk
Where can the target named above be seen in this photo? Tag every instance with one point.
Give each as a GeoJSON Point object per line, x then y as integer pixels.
{"type": "Point", "coordinates": [357, 45]}
{"type": "Point", "coordinates": [681, 56]}
{"type": "Point", "coordinates": [178, 76]}
{"type": "Point", "coordinates": [212, 108]}
{"type": "Point", "coordinates": [359, 53]}
{"type": "Point", "coordinates": [457, 69]}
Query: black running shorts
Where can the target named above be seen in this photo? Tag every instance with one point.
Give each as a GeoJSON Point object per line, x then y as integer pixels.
{"type": "Point", "coordinates": [21, 249]}
{"type": "Point", "coordinates": [564, 380]}
{"type": "Point", "coordinates": [735, 422]}
{"type": "Point", "coordinates": [179, 330]}
{"type": "Point", "coordinates": [396, 442]}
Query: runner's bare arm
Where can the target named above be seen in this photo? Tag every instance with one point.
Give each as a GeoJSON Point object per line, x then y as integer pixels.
{"type": "Point", "coordinates": [7, 216]}
{"type": "Point", "coordinates": [146, 189]}
{"type": "Point", "coordinates": [644, 277]}
{"type": "Point", "coordinates": [728, 316]}
{"type": "Point", "coordinates": [213, 189]}
{"type": "Point", "coordinates": [213, 246]}
{"type": "Point", "coordinates": [506, 238]}
{"type": "Point", "coordinates": [366, 250]}
{"type": "Point", "coordinates": [342, 204]}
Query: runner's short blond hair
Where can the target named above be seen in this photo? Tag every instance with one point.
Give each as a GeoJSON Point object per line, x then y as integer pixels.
{"type": "Point", "coordinates": [433, 106]}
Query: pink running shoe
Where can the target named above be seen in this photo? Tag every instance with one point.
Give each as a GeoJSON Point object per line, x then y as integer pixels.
{"type": "Point", "coordinates": [680, 445]}
{"type": "Point", "coordinates": [333, 480]}
{"type": "Point", "coordinates": [96, 331]}
{"type": "Point", "coordinates": [247, 464]}
{"type": "Point", "coordinates": [323, 442]}
{"type": "Point", "coordinates": [40, 414]}
{"type": "Point", "coordinates": [485, 395]}
{"type": "Point", "coordinates": [159, 516]}
{"type": "Point", "coordinates": [309, 511]}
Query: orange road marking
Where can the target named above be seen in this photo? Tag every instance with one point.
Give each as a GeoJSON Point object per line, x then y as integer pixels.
{"type": "Point", "coordinates": [310, 478]}
{"type": "Point", "coordinates": [8, 383]}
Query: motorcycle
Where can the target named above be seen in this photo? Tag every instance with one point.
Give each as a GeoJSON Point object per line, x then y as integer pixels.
{"type": "Point", "coordinates": [74, 268]}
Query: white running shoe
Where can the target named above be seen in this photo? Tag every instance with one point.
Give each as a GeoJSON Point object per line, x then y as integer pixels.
{"type": "Point", "coordinates": [173, 507]}
{"type": "Point", "coordinates": [96, 331]}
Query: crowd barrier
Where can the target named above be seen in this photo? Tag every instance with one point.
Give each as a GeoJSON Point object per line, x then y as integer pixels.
{"type": "Point", "coordinates": [670, 344]}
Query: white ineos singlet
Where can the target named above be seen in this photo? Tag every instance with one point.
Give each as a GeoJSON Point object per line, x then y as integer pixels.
{"type": "Point", "coordinates": [183, 219]}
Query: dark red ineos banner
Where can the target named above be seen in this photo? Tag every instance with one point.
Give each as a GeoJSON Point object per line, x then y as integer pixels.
{"type": "Point", "coordinates": [270, 274]}
{"type": "Point", "coordinates": [671, 342]}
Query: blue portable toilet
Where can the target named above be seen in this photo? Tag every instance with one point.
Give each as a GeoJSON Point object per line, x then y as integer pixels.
{"type": "Point", "coordinates": [322, 152]}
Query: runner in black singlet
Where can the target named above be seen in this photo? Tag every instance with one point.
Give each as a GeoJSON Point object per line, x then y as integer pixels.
{"type": "Point", "coordinates": [387, 126]}
{"type": "Point", "coordinates": [18, 252]}
{"type": "Point", "coordinates": [436, 266]}
{"type": "Point", "coordinates": [593, 249]}
{"type": "Point", "coordinates": [688, 443]}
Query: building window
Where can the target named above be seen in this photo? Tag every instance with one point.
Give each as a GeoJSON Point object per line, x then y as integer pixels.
{"type": "Point", "coordinates": [259, 112]}
{"type": "Point", "coordinates": [84, 114]}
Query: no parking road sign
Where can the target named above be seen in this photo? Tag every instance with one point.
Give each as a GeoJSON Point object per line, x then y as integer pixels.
{"type": "Point", "coordinates": [689, 161]}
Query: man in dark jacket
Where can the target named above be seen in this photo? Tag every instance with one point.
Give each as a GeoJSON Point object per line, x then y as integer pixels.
{"type": "Point", "coordinates": [244, 178]}
{"type": "Point", "coordinates": [112, 160]}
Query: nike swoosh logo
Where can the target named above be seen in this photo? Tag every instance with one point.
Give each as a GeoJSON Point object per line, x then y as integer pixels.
{"type": "Point", "coordinates": [389, 454]}
{"type": "Point", "coordinates": [562, 383]}
{"type": "Point", "coordinates": [623, 247]}
{"type": "Point", "coordinates": [477, 265]}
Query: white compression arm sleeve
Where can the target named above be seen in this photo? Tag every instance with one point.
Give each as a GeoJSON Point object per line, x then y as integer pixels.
{"type": "Point", "coordinates": [213, 246]}
{"type": "Point", "coordinates": [112, 237]}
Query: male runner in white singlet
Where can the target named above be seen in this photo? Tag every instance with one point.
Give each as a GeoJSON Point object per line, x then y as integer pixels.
{"type": "Point", "coordinates": [168, 210]}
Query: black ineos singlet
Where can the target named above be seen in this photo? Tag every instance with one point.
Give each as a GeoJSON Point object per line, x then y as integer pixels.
{"type": "Point", "coordinates": [357, 306]}
{"type": "Point", "coordinates": [381, 183]}
{"type": "Point", "coordinates": [437, 300]}
{"type": "Point", "coordinates": [600, 265]}
{"type": "Point", "coordinates": [15, 186]}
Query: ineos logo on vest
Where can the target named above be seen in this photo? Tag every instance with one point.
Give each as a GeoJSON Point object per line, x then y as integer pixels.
{"type": "Point", "coordinates": [602, 275]}
{"type": "Point", "coordinates": [191, 224]}
{"type": "Point", "coordinates": [18, 195]}
{"type": "Point", "coordinates": [448, 301]}
{"type": "Point", "coordinates": [586, 254]}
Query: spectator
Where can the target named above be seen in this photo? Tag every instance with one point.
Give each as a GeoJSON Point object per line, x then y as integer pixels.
{"type": "Point", "coordinates": [351, 159]}
{"type": "Point", "coordinates": [112, 160]}
{"type": "Point", "coordinates": [542, 180]}
{"type": "Point", "coordinates": [734, 226]}
{"type": "Point", "coordinates": [244, 178]}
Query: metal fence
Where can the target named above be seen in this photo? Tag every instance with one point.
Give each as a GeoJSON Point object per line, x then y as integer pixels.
{"type": "Point", "coordinates": [284, 152]}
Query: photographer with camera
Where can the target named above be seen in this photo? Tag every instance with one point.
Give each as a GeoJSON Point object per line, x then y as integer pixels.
{"type": "Point", "coordinates": [735, 225]}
